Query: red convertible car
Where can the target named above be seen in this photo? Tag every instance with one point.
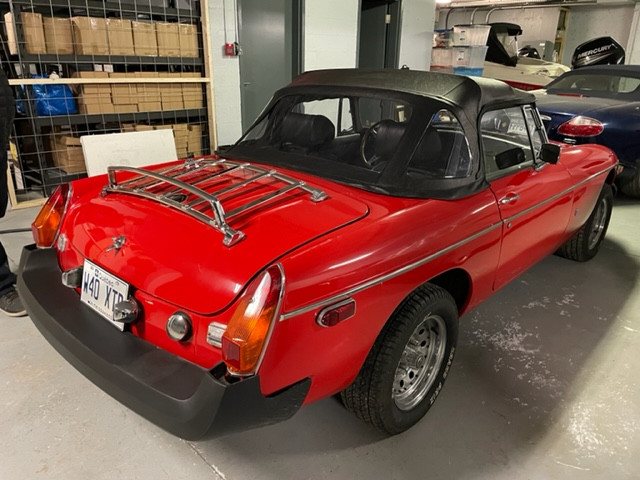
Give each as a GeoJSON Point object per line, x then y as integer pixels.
{"type": "Point", "coordinates": [330, 250]}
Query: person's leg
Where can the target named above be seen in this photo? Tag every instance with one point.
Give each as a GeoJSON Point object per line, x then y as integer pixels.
{"type": "Point", "coordinates": [10, 303]}
{"type": "Point", "coordinates": [7, 278]}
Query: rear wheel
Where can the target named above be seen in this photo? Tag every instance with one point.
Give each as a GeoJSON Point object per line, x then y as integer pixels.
{"type": "Point", "coordinates": [630, 185]}
{"type": "Point", "coordinates": [408, 364]}
{"type": "Point", "coordinates": [586, 242]}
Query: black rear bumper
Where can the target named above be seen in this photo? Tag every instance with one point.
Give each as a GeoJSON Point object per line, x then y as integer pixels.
{"type": "Point", "coordinates": [180, 397]}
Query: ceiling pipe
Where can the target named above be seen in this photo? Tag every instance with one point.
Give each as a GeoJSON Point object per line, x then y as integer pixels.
{"type": "Point", "coordinates": [516, 6]}
{"type": "Point", "coordinates": [547, 5]}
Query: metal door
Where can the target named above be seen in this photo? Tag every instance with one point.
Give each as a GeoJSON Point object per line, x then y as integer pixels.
{"type": "Point", "coordinates": [379, 33]}
{"type": "Point", "coordinates": [269, 40]}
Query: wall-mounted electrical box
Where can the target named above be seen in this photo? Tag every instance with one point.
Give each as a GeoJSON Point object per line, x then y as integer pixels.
{"type": "Point", "coordinates": [231, 49]}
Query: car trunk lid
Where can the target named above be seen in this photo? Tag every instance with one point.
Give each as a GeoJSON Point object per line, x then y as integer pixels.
{"type": "Point", "coordinates": [176, 247]}
{"type": "Point", "coordinates": [560, 108]}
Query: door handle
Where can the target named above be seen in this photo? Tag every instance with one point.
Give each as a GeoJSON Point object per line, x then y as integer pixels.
{"type": "Point", "coordinates": [512, 197]}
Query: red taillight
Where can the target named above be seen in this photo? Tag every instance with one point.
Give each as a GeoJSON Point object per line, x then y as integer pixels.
{"type": "Point", "coordinates": [581, 127]}
{"type": "Point", "coordinates": [46, 225]}
{"type": "Point", "coordinates": [246, 335]}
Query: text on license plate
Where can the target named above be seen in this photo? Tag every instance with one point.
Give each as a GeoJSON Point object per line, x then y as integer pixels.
{"type": "Point", "coordinates": [102, 291]}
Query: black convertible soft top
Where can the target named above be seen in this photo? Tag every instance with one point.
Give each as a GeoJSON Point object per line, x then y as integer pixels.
{"type": "Point", "coordinates": [466, 93]}
{"type": "Point", "coordinates": [428, 92]}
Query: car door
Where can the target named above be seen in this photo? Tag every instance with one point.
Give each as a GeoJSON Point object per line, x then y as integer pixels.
{"type": "Point", "coordinates": [529, 193]}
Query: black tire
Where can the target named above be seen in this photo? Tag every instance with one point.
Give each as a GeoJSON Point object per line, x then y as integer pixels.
{"type": "Point", "coordinates": [399, 382]}
{"type": "Point", "coordinates": [630, 185]}
{"type": "Point", "coordinates": [586, 242]}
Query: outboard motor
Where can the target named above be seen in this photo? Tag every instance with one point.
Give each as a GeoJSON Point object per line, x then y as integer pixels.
{"type": "Point", "coordinates": [599, 51]}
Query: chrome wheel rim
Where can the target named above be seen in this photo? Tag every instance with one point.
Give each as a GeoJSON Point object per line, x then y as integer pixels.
{"type": "Point", "coordinates": [599, 222]}
{"type": "Point", "coordinates": [420, 362]}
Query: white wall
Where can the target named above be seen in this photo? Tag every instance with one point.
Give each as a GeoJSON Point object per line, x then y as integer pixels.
{"type": "Point", "coordinates": [331, 34]}
{"type": "Point", "coordinates": [226, 74]}
{"type": "Point", "coordinates": [633, 44]}
{"type": "Point", "coordinates": [587, 23]}
{"type": "Point", "coordinates": [416, 33]}
{"type": "Point", "coordinates": [536, 23]}
{"type": "Point", "coordinates": [331, 41]}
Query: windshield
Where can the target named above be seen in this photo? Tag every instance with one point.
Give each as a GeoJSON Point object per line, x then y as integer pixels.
{"type": "Point", "coordinates": [379, 141]}
{"type": "Point", "coordinates": [596, 85]}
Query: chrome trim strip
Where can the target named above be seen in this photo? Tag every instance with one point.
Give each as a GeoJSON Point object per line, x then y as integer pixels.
{"type": "Point", "coordinates": [274, 320]}
{"type": "Point", "coordinates": [345, 295]}
{"type": "Point", "coordinates": [388, 276]}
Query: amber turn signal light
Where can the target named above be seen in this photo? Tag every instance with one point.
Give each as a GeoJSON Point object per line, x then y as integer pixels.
{"type": "Point", "coordinates": [47, 224]}
{"type": "Point", "coordinates": [248, 330]}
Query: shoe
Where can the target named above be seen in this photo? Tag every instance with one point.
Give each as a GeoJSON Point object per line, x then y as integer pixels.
{"type": "Point", "coordinates": [11, 305]}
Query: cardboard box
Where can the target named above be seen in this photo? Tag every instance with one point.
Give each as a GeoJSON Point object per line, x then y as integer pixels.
{"type": "Point", "coordinates": [150, 106]}
{"type": "Point", "coordinates": [143, 128]}
{"type": "Point", "coordinates": [128, 127]}
{"type": "Point", "coordinates": [66, 152]}
{"type": "Point", "coordinates": [120, 35]}
{"type": "Point", "coordinates": [103, 90]}
{"type": "Point", "coordinates": [192, 92]}
{"type": "Point", "coordinates": [168, 39]}
{"type": "Point", "coordinates": [188, 35]}
{"type": "Point", "coordinates": [124, 93]}
{"type": "Point", "coordinates": [145, 43]}
{"type": "Point", "coordinates": [123, 108]}
{"type": "Point", "coordinates": [90, 36]}
{"type": "Point", "coordinates": [12, 41]}
{"type": "Point", "coordinates": [33, 29]}
{"type": "Point", "coordinates": [172, 103]}
{"type": "Point", "coordinates": [88, 98]}
{"type": "Point", "coordinates": [58, 35]}
{"type": "Point", "coordinates": [95, 108]}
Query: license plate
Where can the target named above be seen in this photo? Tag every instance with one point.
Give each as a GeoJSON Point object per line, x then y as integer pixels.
{"type": "Point", "coordinates": [102, 291]}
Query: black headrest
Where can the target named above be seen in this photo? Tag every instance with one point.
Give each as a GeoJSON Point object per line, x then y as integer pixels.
{"type": "Point", "coordinates": [387, 138]}
{"type": "Point", "coordinates": [307, 130]}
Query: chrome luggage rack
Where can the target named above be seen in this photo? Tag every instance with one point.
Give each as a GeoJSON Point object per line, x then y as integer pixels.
{"type": "Point", "coordinates": [165, 186]}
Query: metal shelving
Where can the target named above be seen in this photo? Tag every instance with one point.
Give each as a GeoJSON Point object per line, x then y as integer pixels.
{"type": "Point", "coordinates": [31, 131]}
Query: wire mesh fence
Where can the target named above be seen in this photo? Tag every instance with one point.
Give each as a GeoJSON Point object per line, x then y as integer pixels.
{"type": "Point", "coordinates": [90, 67]}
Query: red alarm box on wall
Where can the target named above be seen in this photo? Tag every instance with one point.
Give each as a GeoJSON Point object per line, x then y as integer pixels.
{"type": "Point", "coordinates": [231, 49]}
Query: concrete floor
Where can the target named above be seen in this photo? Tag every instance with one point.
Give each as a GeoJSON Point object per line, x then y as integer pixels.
{"type": "Point", "coordinates": [545, 385]}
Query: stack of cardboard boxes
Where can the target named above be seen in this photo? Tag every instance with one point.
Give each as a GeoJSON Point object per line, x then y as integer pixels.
{"type": "Point", "coordinates": [194, 139]}
{"type": "Point", "coordinates": [188, 138]}
{"type": "Point", "coordinates": [148, 96]}
{"type": "Point", "coordinates": [171, 93]}
{"type": "Point", "coordinates": [66, 151]}
{"type": "Point", "coordinates": [124, 96]}
{"type": "Point", "coordinates": [102, 36]}
{"type": "Point", "coordinates": [192, 92]}
{"type": "Point", "coordinates": [93, 98]}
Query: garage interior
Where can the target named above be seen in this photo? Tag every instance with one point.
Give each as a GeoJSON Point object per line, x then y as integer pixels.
{"type": "Point", "coordinates": [544, 384]}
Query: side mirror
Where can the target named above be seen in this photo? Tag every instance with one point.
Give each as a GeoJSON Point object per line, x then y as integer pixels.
{"type": "Point", "coordinates": [509, 158]}
{"type": "Point", "coordinates": [550, 153]}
